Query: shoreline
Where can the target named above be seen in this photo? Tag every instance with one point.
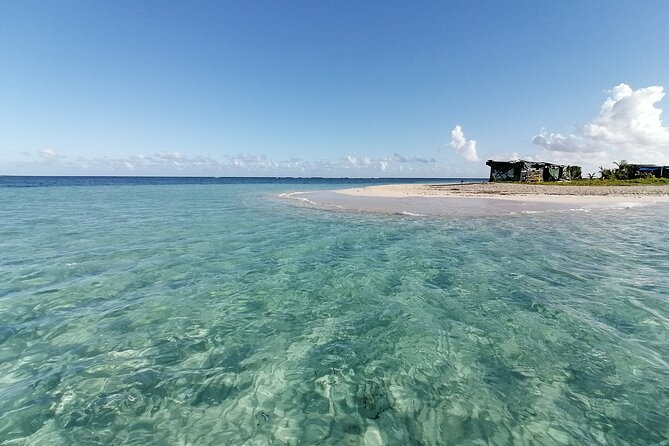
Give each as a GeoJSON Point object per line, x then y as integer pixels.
{"type": "Point", "coordinates": [517, 192]}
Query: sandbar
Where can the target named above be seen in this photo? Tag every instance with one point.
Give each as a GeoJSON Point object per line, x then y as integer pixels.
{"type": "Point", "coordinates": [481, 199]}
{"type": "Point", "coordinates": [518, 192]}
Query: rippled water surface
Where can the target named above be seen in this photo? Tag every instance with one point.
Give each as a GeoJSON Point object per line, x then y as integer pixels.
{"type": "Point", "coordinates": [218, 314]}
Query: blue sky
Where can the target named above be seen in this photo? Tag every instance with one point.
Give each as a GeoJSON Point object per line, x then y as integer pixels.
{"type": "Point", "coordinates": [328, 88]}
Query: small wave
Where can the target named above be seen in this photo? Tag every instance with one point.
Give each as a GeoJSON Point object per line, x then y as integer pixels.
{"type": "Point", "coordinates": [411, 214]}
{"type": "Point", "coordinates": [553, 211]}
{"type": "Point", "coordinates": [293, 196]}
{"type": "Point", "coordinates": [630, 205]}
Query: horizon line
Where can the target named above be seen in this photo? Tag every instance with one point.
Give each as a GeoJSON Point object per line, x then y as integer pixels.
{"type": "Point", "coordinates": [255, 176]}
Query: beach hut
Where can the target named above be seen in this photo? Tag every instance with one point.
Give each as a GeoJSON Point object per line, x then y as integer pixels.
{"type": "Point", "coordinates": [531, 171]}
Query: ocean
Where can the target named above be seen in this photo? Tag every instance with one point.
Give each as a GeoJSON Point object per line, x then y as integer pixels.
{"type": "Point", "coordinates": [212, 311]}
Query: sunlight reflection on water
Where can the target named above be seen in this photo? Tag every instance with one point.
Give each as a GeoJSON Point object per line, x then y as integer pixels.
{"type": "Point", "coordinates": [208, 314]}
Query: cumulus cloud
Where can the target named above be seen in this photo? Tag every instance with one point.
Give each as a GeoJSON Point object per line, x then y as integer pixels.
{"type": "Point", "coordinates": [356, 161]}
{"type": "Point", "coordinates": [629, 125]}
{"type": "Point", "coordinates": [464, 147]}
{"type": "Point", "coordinates": [556, 142]}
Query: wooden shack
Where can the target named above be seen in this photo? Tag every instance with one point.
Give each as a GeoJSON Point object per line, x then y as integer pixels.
{"type": "Point", "coordinates": [531, 171]}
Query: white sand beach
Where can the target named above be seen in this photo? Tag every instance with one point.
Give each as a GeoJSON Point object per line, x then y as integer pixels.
{"type": "Point", "coordinates": [518, 192]}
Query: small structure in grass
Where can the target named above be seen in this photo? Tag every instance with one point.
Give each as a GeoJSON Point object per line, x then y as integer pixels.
{"type": "Point", "coordinates": [649, 170]}
{"type": "Point", "coordinates": [628, 171]}
{"type": "Point", "coordinates": [531, 171]}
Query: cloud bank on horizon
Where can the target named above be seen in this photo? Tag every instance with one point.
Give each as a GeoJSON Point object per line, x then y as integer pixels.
{"type": "Point", "coordinates": [629, 126]}
{"type": "Point", "coordinates": [176, 163]}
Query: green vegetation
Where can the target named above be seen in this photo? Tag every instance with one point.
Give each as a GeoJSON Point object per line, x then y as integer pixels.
{"type": "Point", "coordinates": [624, 171]}
{"type": "Point", "coordinates": [574, 172]}
{"type": "Point", "coordinates": [610, 182]}
{"type": "Point", "coordinates": [624, 174]}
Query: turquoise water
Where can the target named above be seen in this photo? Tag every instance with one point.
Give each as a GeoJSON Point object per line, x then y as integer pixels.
{"type": "Point", "coordinates": [218, 314]}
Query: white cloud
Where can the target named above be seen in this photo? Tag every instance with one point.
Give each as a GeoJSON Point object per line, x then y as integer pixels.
{"type": "Point", "coordinates": [387, 165]}
{"type": "Point", "coordinates": [462, 146]}
{"type": "Point", "coordinates": [556, 142]}
{"type": "Point", "coordinates": [352, 160]}
{"type": "Point", "coordinates": [628, 126]}
{"type": "Point", "coordinates": [170, 155]}
{"type": "Point", "coordinates": [176, 163]}
{"type": "Point", "coordinates": [413, 159]}
{"type": "Point", "coordinates": [47, 153]}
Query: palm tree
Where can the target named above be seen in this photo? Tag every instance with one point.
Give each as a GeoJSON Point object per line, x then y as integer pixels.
{"type": "Point", "coordinates": [623, 172]}
{"type": "Point", "coordinates": [606, 174]}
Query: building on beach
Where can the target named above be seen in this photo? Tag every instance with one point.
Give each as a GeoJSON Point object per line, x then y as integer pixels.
{"type": "Point", "coordinates": [650, 170]}
{"type": "Point", "coordinates": [531, 171]}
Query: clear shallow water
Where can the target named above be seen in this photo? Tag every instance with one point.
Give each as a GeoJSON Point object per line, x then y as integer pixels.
{"type": "Point", "coordinates": [216, 314]}
{"type": "Point", "coordinates": [450, 207]}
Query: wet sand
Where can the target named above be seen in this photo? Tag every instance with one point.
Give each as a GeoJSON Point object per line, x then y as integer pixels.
{"type": "Point", "coordinates": [481, 199]}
